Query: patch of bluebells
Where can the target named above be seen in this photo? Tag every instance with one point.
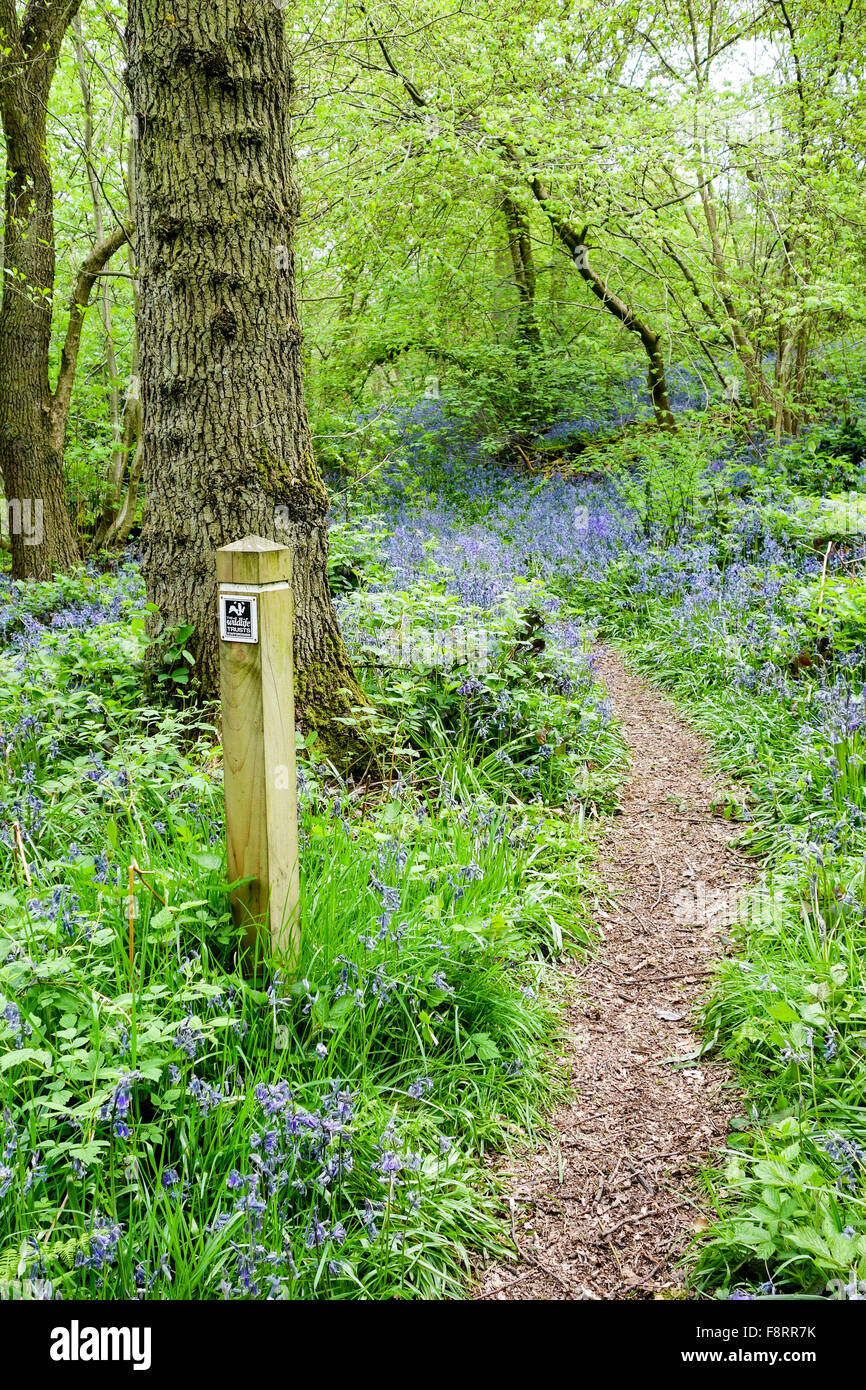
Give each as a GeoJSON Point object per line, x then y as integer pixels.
{"type": "Point", "coordinates": [732, 607]}
{"type": "Point", "coordinates": [188, 1039]}
{"type": "Point", "coordinates": [847, 1156]}
{"type": "Point", "coordinates": [420, 1087]}
{"type": "Point", "coordinates": [19, 1027]}
{"type": "Point", "coordinates": [207, 1097]}
{"type": "Point", "coordinates": [16, 1158]}
{"type": "Point", "coordinates": [300, 1161]}
{"type": "Point", "coordinates": [717, 601]}
{"type": "Point", "coordinates": [118, 1106]}
{"type": "Point", "coordinates": [63, 909]}
{"type": "Point", "coordinates": [105, 1236]}
{"type": "Point", "coordinates": [30, 613]}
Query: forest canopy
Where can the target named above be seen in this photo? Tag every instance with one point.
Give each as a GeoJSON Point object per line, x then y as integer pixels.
{"type": "Point", "coordinates": [707, 158]}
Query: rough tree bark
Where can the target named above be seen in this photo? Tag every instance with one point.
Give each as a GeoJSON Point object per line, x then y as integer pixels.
{"type": "Point", "coordinates": [32, 416]}
{"type": "Point", "coordinates": [227, 446]}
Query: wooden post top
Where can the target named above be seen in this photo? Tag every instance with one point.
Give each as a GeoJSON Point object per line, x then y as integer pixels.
{"type": "Point", "coordinates": [254, 560]}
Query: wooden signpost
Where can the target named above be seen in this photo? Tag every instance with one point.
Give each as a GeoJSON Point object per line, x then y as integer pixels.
{"type": "Point", "coordinates": [258, 726]}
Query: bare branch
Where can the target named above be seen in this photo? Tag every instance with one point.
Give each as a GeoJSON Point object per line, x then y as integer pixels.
{"type": "Point", "coordinates": [412, 90]}
{"type": "Point", "coordinates": [89, 271]}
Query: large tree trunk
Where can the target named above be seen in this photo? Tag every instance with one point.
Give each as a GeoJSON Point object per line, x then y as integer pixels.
{"type": "Point", "coordinates": [227, 446]}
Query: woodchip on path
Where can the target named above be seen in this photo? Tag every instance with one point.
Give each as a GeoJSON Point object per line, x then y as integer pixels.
{"type": "Point", "coordinates": [606, 1209]}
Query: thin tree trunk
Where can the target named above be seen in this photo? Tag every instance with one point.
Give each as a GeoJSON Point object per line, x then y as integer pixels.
{"type": "Point", "coordinates": [31, 466]}
{"type": "Point", "coordinates": [119, 511]}
{"type": "Point", "coordinates": [227, 446]}
{"type": "Point", "coordinates": [123, 523]}
{"type": "Point", "coordinates": [651, 341]}
{"type": "Point", "coordinates": [121, 450]}
{"type": "Point", "coordinates": [33, 417]}
{"type": "Point", "coordinates": [523, 264]}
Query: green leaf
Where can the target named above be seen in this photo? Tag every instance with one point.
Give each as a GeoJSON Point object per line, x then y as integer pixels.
{"type": "Point", "coordinates": [810, 1240]}
{"type": "Point", "coordinates": [208, 860]}
{"type": "Point", "coordinates": [26, 1054]}
{"type": "Point", "coordinates": [783, 1012]}
{"type": "Point", "coordinates": [340, 1008]}
{"type": "Point", "coordinates": [751, 1236]}
{"type": "Point", "coordinates": [843, 1250]}
{"type": "Point", "coordinates": [813, 1014]}
{"type": "Point", "coordinates": [774, 1172]}
{"type": "Point", "coordinates": [483, 1047]}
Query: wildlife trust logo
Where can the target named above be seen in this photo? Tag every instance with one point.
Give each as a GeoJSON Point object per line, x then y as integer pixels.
{"type": "Point", "coordinates": [239, 618]}
{"type": "Point", "coordinates": [24, 518]}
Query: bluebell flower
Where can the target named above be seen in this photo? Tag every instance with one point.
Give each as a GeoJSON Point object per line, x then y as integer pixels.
{"type": "Point", "coordinates": [420, 1087]}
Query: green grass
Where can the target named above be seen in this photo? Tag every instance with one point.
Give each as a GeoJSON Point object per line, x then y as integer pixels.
{"type": "Point", "coordinates": [172, 1129]}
